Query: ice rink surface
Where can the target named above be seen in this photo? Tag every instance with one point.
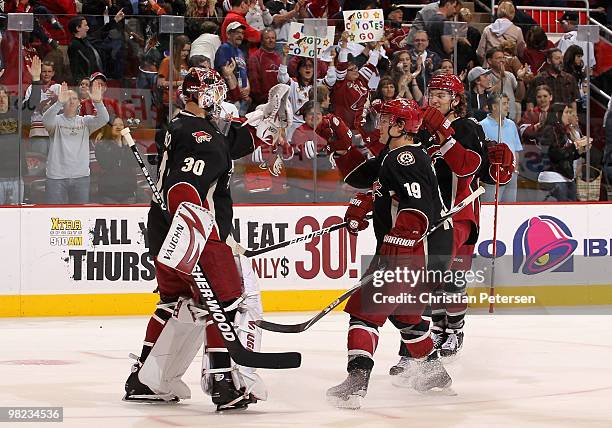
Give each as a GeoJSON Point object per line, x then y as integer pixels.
{"type": "Point", "coordinates": [514, 370]}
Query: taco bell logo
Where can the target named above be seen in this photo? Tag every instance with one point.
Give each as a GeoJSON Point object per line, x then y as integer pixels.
{"type": "Point", "coordinates": [541, 244]}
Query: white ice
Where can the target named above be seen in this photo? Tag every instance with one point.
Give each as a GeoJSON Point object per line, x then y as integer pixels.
{"type": "Point", "coordinates": [515, 370]}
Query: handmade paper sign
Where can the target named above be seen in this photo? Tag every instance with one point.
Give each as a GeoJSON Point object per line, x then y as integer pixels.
{"type": "Point", "coordinates": [302, 45]}
{"type": "Point", "coordinates": [364, 25]}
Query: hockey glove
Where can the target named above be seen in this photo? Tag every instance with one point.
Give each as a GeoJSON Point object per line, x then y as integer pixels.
{"type": "Point", "coordinates": [500, 154]}
{"type": "Point", "coordinates": [335, 132]}
{"type": "Point", "coordinates": [359, 206]}
{"type": "Point", "coordinates": [434, 122]}
{"type": "Point", "coordinates": [402, 239]}
{"type": "Point", "coordinates": [502, 162]}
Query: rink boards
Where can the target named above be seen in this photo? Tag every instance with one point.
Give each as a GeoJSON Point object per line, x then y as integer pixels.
{"type": "Point", "coordinates": [94, 260]}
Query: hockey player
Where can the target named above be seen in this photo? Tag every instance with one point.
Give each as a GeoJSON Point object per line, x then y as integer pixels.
{"type": "Point", "coordinates": [456, 146]}
{"type": "Point", "coordinates": [194, 176]}
{"type": "Point", "coordinates": [405, 201]}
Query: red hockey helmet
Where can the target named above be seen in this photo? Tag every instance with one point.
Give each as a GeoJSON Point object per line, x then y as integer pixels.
{"type": "Point", "coordinates": [204, 86]}
{"type": "Point", "coordinates": [407, 110]}
{"type": "Point", "coordinates": [446, 82]}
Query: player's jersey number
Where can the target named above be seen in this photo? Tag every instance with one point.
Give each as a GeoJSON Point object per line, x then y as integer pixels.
{"type": "Point", "coordinates": [193, 165]}
{"type": "Point", "coordinates": [413, 189]}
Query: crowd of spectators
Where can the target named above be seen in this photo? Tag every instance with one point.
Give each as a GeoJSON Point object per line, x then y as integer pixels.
{"type": "Point", "coordinates": [95, 53]}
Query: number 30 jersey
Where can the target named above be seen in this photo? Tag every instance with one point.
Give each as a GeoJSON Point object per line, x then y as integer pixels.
{"type": "Point", "coordinates": [196, 156]}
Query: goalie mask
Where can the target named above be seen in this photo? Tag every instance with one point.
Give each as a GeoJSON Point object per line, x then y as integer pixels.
{"type": "Point", "coordinates": [207, 88]}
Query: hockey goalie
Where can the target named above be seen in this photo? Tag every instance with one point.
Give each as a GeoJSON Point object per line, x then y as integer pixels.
{"type": "Point", "coordinates": [196, 164]}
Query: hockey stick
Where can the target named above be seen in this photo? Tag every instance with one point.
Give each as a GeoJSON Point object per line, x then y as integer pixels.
{"type": "Point", "coordinates": [298, 328]}
{"type": "Point", "coordinates": [492, 288]}
{"type": "Point", "coordinates": [454, 210]}
{"type": "Point", "coordinates": [301, 238]}
{"type": "Point", "coordinates": [240, 355]}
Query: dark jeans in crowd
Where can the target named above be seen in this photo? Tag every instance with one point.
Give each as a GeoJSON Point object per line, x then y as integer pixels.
{"type": "Point", "coordinates": [67, 190]}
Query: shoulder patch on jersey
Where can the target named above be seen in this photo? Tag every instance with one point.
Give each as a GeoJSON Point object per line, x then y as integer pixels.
{"type": "Point", "coordinates": [335, 121]}
{"type": "Point", "coordinates": [405, 158]}
{"type": "Point", "coordinates": [201, 136]}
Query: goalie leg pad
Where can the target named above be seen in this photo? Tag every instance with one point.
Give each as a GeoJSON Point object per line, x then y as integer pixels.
{"type": "Point", "coordinates": [174, 351]}
{"type": "Point", "coordinates": [248, 310]}
{"type": "Point", "coordinates": [185, 241]}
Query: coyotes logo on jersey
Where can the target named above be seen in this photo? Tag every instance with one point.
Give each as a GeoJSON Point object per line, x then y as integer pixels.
{"type": "Point", "coordinates": [201, 136]}
{"type": "Point", "coordinates": [361, 90]}
{"type": "Point", "coordinates": [376, 188]}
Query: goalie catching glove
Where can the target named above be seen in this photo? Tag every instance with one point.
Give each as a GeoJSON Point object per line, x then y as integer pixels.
{"type": "Point", "coordinates": [268, 119]}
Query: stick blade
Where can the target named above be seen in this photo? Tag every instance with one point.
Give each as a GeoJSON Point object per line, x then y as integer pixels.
{"type": "Point", "coordinates": [281, 328]}
{"type": "Point", "coordinates": [265, 360]}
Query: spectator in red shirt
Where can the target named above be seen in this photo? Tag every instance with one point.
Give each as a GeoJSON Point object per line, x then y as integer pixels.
{"type": "Point", "coordinates": [395, 33]}
{"type": "Point", "coordinates": [263, 67]}
{"type": "Point", "coordinates": [309, 145]}
{"type": "Point", "coordinates": [237, 13]}
{"type": "Point", "coordinates": [64, 10]}
{"type": "Point", "coordinates": [534, 119]}
{"type": "Point", "coordinates": [350, 92]}
{"type": "Point", "coordinates": [87, 107]}
{"type": "Point", "coordinates": [537, 44]}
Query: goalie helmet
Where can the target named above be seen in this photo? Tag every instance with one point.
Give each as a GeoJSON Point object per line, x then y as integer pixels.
{"type": "Point", "coordinates": [407, 110]}
{"type": "Point", "coordinates": [447, 82]}
{"type": "Point", "coordinates": [205, 87]}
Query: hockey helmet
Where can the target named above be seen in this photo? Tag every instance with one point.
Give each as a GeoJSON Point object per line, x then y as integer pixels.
{"type": "Point", "coordinates": [204, 86]}
{"type": "Point", "coordinates": [446, 82]}
{"type": "Point", "coordinates": [407, 110]}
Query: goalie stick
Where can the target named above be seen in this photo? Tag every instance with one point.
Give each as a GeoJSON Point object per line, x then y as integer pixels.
{"type": "Point", "coordinates": [298, 328]}
{"type": "Point", "coordinates": [301, 238]}
{"type": "Point", "coordinates": [240, 355]}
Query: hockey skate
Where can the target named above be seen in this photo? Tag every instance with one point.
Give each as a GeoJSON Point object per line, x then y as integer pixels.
{"type": "Point", "coordinates": [430, 375]}
{"type": "Point", "coordinates": [349, 393]}
{"type": "Point", "coordinates": [426, 375]}
{"type": "Point", "coordinates": [438, 336]}
{"type": "Point", "coordinates": [225, 395]}
{"type": "Point", "coordinates": [402, 365]}
{"type": "Point", "coordinates": [453, 343]}
{"type": "Point", "coordinates": [138, 392]}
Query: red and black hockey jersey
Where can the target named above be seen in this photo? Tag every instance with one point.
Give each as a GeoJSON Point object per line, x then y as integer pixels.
{"type": "Point", "coordinates": [457, 164]}
{"type": "Point", "coordinates": [197, 154]}
{"type": "Point", "coordinates": [403, 178]}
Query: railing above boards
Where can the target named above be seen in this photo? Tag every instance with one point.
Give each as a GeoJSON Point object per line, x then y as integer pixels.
{"type": "Point", "coordinates": [546, 16]}
{"type": "Point", "coordinates": [601, 26]}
